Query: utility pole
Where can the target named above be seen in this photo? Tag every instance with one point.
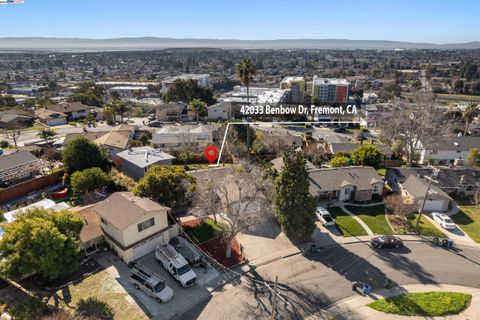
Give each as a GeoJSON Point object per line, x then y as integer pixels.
{"type": "Point", "coordinates": [274, 298]}
{"type": "Point", "coordinates": [420, 213]}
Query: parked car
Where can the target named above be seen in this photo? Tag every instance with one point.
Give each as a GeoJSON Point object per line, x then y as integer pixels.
{"type": "Point", "coordinates": [383, 241]}
{"type": "Point", "coordinates": [151, 117]}
{"type": "Point", "coordinates": [443, 220]}
{"type": "Point", "coordinates": [150, 283]}
{"type": "Point", "coordinates": [340, 130]}
{"type": "Point", "coordinates": [324, 217]}
{"type": "Point", "coordinates": [155, 124]}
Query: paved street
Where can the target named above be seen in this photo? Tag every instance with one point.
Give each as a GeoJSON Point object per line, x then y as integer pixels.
{"type": "Point", "coordinates": [320, 279]}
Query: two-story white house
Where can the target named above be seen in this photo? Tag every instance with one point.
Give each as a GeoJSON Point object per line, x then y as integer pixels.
{"type": "Point", "coordinates": [441, 150]}
{"type": "Point", "coordinates": [134, 226]}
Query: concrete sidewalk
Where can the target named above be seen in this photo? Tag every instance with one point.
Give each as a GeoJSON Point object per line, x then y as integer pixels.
{"type": "Point", "coordinates": [355, 307]}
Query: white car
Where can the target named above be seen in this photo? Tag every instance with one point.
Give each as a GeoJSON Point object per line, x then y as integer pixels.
{"type": "Point", "coordinates": [324, 217]}
{"type": "Point", "coordinates": [443, 220]}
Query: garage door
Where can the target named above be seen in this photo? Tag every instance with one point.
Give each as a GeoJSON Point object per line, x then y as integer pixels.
{"type": "Point", "coordinates": [434, 205]}
{"type": "Point", "coordinates": [146, 246]}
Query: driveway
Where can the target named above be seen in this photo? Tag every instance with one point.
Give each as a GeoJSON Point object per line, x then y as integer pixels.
{"type": "Point", "coordinates": [457, 234]}
{"type": "Point", "coordinates": [183, 297]}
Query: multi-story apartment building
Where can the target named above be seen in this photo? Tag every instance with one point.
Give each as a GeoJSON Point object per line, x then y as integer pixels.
{"type": "Point", "coordinates": [296, 87]}
{"type": "Point", "coordinates": [325, 90]}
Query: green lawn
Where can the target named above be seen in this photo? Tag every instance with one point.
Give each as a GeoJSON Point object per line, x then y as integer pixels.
{"type": "Point", "coordinates": [430, 304]}
{"type": "Point", "coordinates": [426, 228]}
{"type": "Point", "coordinates": [206, 230]}
{"type": "Point", "coordinates": [468, 218]}
{"type": "Point", "coordinates": [374, 217]}
{"type": "Point", "coordinates": [346, 224]}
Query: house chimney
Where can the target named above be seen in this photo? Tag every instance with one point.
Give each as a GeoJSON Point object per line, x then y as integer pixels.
{"type": "Point", "coordinates": [462, 179]}
{"type": "Point", "coordinates": [146, 156]}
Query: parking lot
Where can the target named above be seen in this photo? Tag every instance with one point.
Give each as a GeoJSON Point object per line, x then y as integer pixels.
{"type": "Point", "coordinates": [183, 297]}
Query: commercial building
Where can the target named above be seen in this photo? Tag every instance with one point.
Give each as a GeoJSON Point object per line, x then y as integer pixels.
{"type": "Point", "coordinates": [326, 90]}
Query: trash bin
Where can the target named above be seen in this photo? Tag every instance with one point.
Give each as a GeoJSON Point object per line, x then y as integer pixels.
{"type": "Point", "coordinates": [366, 288]}
{"type": "Point", "coordinates": [449, 243]}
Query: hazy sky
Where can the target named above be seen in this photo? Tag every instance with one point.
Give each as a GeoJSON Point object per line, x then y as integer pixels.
{"type": "Point", "coordinates": [435, 21]}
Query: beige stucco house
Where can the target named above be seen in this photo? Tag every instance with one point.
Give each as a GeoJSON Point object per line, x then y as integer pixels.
{"type": "Point", "coordinates": [133, 226]}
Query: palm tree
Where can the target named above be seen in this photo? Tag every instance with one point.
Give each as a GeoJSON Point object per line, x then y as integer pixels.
{"type": "Point", "coordinates": [245, 72]}
{"type": "Point", "coordinates": [197, 106]}
{"type": "Point", "coordinates": [47, 134]}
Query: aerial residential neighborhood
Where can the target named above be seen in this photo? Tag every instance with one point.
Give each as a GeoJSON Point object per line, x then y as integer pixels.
{"type": "Point", "coordinates": [176, 161]}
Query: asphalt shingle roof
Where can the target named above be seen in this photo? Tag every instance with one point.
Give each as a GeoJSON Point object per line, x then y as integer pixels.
{"type": "Point", "coordinates": [330, 179]}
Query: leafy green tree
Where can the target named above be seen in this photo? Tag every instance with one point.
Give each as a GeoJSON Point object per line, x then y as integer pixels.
{"type": "Point", "coordinates": [339, 161]}
{"type": "Point", "coordinates": [42, 241]}
{"type": "Point", "coordinates": [47, 134]}
{"type": "Point", "coordinates": [473, 158]}
{"type": "Point", "coordinates": [89, 94]}
{"type": "Point", "coordinates": [169, 185]}
{"type": "Point", "coordinates": [367, 155]}
{"type": "Point", "coordinates": [187, 90]}
{"type": "Point", "coordinates": [81, 154]}
{"type": "Point", "coordinates": [31, 309]}
{"type": "Point", "coordinates": [198, 107]}
{"type": "Point", "coordinates": [144, 139]}
{"type": "Point", "coordinates": [294, 206]}
{"type": "Point", "coordinates": [88, 180]}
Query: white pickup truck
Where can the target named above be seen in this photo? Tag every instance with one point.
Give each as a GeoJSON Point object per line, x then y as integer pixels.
{"type": "Point", "coordinates": [176, 264]}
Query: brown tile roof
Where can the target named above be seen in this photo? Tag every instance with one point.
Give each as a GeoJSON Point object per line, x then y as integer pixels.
{"type": "Point", "coordinates": [122, 209]}
{"type": "Point", "coordinates": [48, 114]}
{"type": "Point", "coordinates": [118, 139]}
{"type": "Point", "coordinates": [91, 225]}
{"type": "Point", "coordinates": [68, 107]}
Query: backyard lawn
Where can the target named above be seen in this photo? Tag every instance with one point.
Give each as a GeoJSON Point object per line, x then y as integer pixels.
{"type": "Point", "coordinates": [346, 224]}
{"type": "Point", "coordinates": [374, 217]}
{"type": "Point", "coordinates": [468, 218]}
{"type": "Point", "coordinates": [426, 228]}
{"type": "Point", "coordinates": [429, 304]}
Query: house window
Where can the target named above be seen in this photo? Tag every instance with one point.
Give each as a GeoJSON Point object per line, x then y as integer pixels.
{"type": "Point", "coordinates": [434, 152]}
{"type": "Point", "coordinates": [347, 191]}
{"type": "Point", "coordinates": [375, 189]}
{"type": "Point", "coordinates": [470, 188]}
{"type": "Point", "coordinates": [146, 224]}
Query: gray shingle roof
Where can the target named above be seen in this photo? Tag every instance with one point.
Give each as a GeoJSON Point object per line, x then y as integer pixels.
{"type": "Point", "coordinates": [417, 187]}
{"type": "Point", "coordinates": [16, 159]}
{"type": "Point", "coordinates": [144, 156]}
{"type": "Point", "coordinates": [464, 143]}
{"type": "Point", "coordinates": [334, 178]}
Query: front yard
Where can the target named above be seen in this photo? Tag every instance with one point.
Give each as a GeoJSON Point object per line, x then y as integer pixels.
{"type": "Point", "coordinates": [426, 228]}
{"type": "Point", "coordinates": [373, 216]}
{"type": "Point", "coordinates": [346, 224]}
{"type": "Point", "coordinates": [468, 218]}
{"type": "Point", "coordinates": [103, 286]}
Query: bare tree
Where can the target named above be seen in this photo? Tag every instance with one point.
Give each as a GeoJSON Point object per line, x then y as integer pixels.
{"type": "Point", "coordinates": [238, 196]}
{"type": "Point", "coordinates": [396, 205]}
{"type": "Point", "coordinates": [476, 198]}
{"type": "Point", "coordinates": [13, 131]}
{"type": "Point", "coordinates": [411, 123]}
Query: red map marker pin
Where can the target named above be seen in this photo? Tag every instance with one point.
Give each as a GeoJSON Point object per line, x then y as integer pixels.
{"type": "Point", "coordinates": [211, 153]}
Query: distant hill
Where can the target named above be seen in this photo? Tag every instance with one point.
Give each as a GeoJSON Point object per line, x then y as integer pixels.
{"type": "Point", "coordinates": [151, 43]}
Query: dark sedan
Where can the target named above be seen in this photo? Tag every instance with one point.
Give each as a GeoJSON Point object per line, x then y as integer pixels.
{"type": "Point", "coordinates": [386, 242]}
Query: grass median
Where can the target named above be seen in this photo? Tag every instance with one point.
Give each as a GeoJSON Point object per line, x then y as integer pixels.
{"type": "Point", "coordinates": [346, 224]}
{"type": "Point", "coordinates": [429, 304]}
{"type": "Point", "coordinates": [373, 216]}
